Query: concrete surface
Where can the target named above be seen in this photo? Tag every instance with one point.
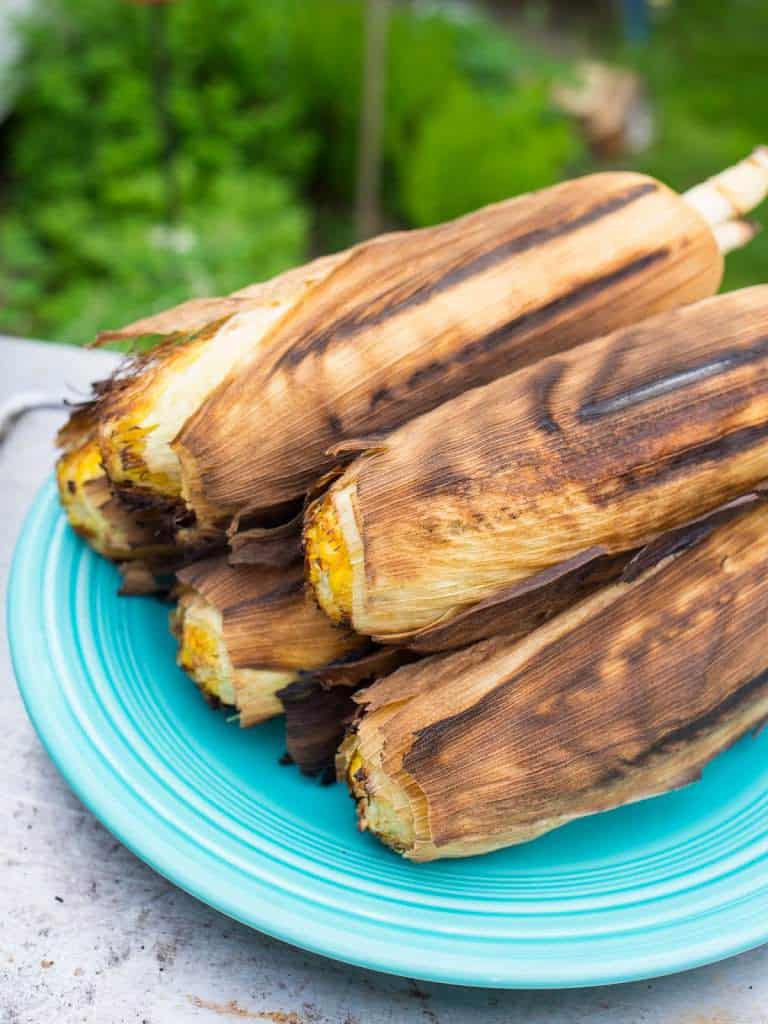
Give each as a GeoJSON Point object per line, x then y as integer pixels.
{"type": "Point", "coordinates": [89, 933]}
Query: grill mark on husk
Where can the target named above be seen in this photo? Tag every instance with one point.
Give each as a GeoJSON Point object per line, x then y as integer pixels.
{"type": "Point", "coordinates": [570, 299]}
{"type": "Point", "coordinates": [354, 323]}
{"type": "Point", "coordinates": [487, 344]}
{"type": "Point", "coordinates": [717, 450]}
{"type": "Point", "coordinates": [428, 741]}
{"type": "Point", "coordinates": [544, 385]}
{"type": "Point", "coordinates": [693, 729]}
{"type": "Point", "coordinates": [660, 386]}
{"type": "Point", "coordinates": [441, 475]}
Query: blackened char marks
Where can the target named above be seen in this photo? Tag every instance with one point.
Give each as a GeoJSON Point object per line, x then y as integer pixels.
{"type": "Point", "coordinates": [717, 450]}
{"type": "Point", "coordinates": [363, 318]}
{"type": "Point", "coordinates": [427, 373]}
{"type": "Point", "coordinates": [610, 364]}
{"type": "Point", "coordinates": [748, 690]}
{"type": "Point", "coordinates": [429, 741]}
{"type": "Point", "coordinates": [487, 345]}
{"type": "Point", "coordinates": [544, 384]}
{"type": "Point", "coordinates": [570, 300]}
{"type": "Point", "coordinates": [381, 396]}
{"type": "Point", "coordinates": [660, 386]}
{"type": "Point", "coordinates": [440, 475]}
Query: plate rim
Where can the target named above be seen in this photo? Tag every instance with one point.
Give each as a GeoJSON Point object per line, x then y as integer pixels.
{"type": "Point", "coordinates": [279, 923]}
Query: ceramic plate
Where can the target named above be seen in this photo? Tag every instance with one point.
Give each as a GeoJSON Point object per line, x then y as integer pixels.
{"type": "Point", "coordinates": [663, 885]}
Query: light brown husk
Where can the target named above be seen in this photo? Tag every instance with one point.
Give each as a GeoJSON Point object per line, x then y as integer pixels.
{"type": "Point", "coordinates": [407, 321]}
{"type": "Point", "coordinates": [628, 694]}
{"type": "Point", "coordinates": [268, 622]}
{"type": "Point", "coordinates": [601, 448]}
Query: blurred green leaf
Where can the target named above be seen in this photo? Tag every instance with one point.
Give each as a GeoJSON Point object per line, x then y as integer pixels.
{"type": "Point", "coordinates": [705, 68]}
{"type": "Point", "coordinates": [477, 149]}
{"type": "Point", "coordinates": [264, 102]}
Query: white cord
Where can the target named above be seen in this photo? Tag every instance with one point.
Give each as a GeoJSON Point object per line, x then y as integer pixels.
{"type": "Point", "coordinates": [13, 408]}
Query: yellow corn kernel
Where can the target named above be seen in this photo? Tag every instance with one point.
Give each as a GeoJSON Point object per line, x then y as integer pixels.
{"type": "Point", "coordinates": [328, 562]}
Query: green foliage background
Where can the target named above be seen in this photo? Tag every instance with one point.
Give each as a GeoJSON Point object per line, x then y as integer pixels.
{"type": "Point", "coordinates": [705, 67]}
{"type": "Point", "coordinates": [264, 99]}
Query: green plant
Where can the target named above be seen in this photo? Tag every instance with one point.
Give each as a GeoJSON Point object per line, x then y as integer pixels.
{"type": "Point", "coordinates": [473, 151]}
{"type": "Point", "coordinates": [75, 272]}
{"type": "Point", "coordinates": [705, 67]}
{"type": "Point", "coordinates": [86, 232]}
{"type": "Point", "coordinates": [158, 153]}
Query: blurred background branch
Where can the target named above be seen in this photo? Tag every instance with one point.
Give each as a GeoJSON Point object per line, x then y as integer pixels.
{"type": "Point", "coordinates": [162, 69]}
{"type": "Point", "coordinates": [372, 118]}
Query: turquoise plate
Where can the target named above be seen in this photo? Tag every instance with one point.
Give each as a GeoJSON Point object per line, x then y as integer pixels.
{"type": "Point", "coordinates": [657, 887]}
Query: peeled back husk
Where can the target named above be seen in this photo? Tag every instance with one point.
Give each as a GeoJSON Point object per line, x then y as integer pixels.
{"type": "Point", "coordinates": [134, 416]}
{"type": "Point", "coordinates": [626, 695]}
{"type": "Point", "coordinates": [245, 632]}
{"type": "Point", "coordinates": [586, 455]}
{"type": "Point", "coordinates": [319, 705]}
{"type": "Point", "coordinates": [113, 529]}
{"type": "Point", "coordinates": [139, 418]}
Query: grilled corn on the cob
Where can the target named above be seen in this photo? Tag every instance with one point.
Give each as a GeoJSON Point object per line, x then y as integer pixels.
{"type": "Point", "coordinates": [246, 632]}
{"type": "Point", "coordinates": [411, 320]}
{"type": "Point", "coordinates": [587, 453]}
{"type": "Point", "coordinates": [118, 446]}
{"type": "Point", "coordinates": [234, 415]}
{"type": "Point", "coordinates": [627, 695]}
{"type": "Point", "coordinates": [110, 527]}
{"type": "Point", "coordinates": [406, 322]}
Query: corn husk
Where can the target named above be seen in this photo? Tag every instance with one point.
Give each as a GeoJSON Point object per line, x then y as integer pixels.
{"type": "Point", "coordinates": [118, 477]}
{"type": "Point", "coordinates": [139, 417]}
{"type": "Point", "coordinates": [227, 423]}
{"type": "Point", "coordinates": [319, 705]}
{"type": "Point", "coordinates": [588, 454]}
{"type": "Point", "coordinates": [405, 322]}
{"type": "Point", "coordinates": [626, 695]}
{"type": "Point", "coordinates": [246, 632]}
{"type": "Point", "coordinates": [113, 528]}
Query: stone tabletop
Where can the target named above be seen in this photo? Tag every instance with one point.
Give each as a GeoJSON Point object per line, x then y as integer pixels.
{"type": "Point", "coordinates": [89, 933]}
